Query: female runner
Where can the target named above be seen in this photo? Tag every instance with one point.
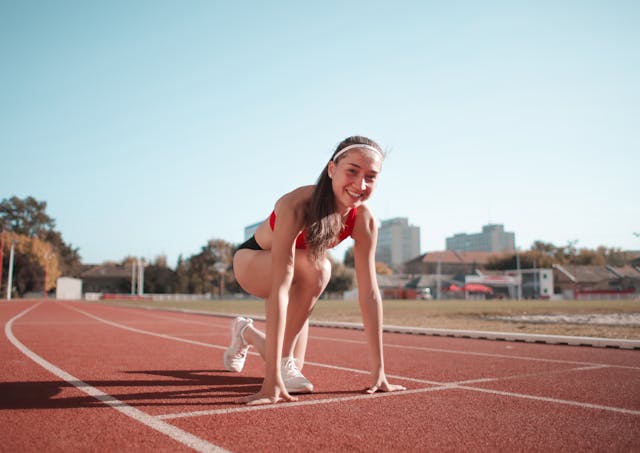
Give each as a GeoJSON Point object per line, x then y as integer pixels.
{"type": "Point", "coordinates": [285, 263]}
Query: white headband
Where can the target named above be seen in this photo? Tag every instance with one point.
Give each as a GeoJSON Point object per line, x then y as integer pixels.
{"type": "Point", "coordinates": [357, 145]}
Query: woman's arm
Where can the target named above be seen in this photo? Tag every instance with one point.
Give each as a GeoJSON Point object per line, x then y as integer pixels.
{"type": "Point", "coordinates": [365, 234]}
{"type": "Point", "coordinates": [282, 265]}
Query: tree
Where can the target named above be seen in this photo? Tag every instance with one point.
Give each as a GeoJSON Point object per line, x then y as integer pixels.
{"type": "Point", "coordinates": [33, 260]}
{"type": "Point", "coordinates": [182, 276]}
{"type": "Point", "coordinates": [68, 257]}
{"type": "Point", "coordinates": [349, 259]}
{"type": "Point", "coordinates": [544, 254]}
{"type": "Point", "coordinates": [210, 266]}
{"type": "Point", "coordinates": [342, 278]}
{"type": "Point", "coordinates": [383, 269]}
{"type": "Point", "coordinates": [159, 278]}
{"type": "Point", "coordinates": [28, 217]}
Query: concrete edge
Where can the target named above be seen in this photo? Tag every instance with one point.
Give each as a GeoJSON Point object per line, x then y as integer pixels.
{"type": "Point", "coordinates": [452, 333]}
{"type": "Point", "coordinates": [499, 336]}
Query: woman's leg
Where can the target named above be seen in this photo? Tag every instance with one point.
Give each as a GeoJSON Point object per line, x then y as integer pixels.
{"type": "Point", "coordinates": [300, 346]}
{"type": "Point", "coordinates": [311, 280]}
{"type": "Point", "coordinates": [253, 272]}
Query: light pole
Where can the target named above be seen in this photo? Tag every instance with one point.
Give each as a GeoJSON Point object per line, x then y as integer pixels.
{"type": "Point", "coordinates": [221, 269]}
{"type": "Point", "coordinates": [1, 254]}
{"type": "Point", "coordinates": [141, 264]}
{"type": "Point", "coordinates": [10, 276]}
{"type": "Point", "coordinates": [519, 275]}
{"type": "Point", "coordinates": [47, 257]}
{"type": "Point", "coordinates": [133, 277]}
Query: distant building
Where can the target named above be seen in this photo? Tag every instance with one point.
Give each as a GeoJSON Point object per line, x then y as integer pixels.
{"type": "Point", "coordinates": [492, 239]}
{"type": "Point", "coordinates": [398, 242]}
{"type": "Point", "coordinates": [448, 262]}
{"type": "Point", "coordinates": [106, 278]}
{"type": "Point", "coordinates": [596, 282]}
{"type": "Point", "coordinates": [251, 229]}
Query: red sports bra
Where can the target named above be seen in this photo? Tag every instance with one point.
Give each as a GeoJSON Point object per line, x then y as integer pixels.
{"type": "Point", "coordinates": [301, 242]}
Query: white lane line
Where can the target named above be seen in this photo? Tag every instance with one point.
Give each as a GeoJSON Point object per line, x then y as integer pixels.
{"type": "Point", "coordinates": [155, 423]}
{"type": "Point", "coordinates": [439, 385]}
{"type": "Point", "coordinates": [246, 408]}
{"type": "Point", "coordinates": [527, 375]}
{"type": "Point", "coordinates": [480, 354]}
{"type": "Point", "coordinates": [146, 332]}
{"type": "Point", "coordinates": [448, 386]}
{"type": "Point", "coordinates": [551, 400]}
{"type": "Point", "coordinates": [214, 346]}
{"type": "Point", "coordinates": [415, 348]}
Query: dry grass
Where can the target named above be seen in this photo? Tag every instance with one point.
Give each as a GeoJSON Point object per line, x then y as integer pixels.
{"type": "Point", "coordinates": [450, 314]}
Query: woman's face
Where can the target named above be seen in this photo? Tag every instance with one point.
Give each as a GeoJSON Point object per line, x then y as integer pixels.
{"type": "Point", "coordinates": [354, 177]}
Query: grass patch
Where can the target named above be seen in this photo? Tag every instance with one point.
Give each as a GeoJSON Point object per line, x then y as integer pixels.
{"type": "Point", "coordinates": [444, 314]}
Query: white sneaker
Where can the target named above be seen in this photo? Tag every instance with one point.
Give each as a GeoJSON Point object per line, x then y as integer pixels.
{"type": "Point", "coordinates": [293, 379]}
{"type": "Point", "coordinates": [236, 354]}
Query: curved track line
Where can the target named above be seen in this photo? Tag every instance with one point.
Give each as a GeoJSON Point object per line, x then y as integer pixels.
{"type": "Point", "coordinates": [439, 385]}
{"type": "Point", "coordinates": [155, 423]}
{"type": "Point", "coordinates": [346, 340]}
{"type": "Point", "coordinates": [214, 346]}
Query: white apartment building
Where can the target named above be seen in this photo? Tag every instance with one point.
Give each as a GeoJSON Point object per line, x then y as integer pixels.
{"type": "Point", "coordinates": [398, 242]}
{"type": "Point", "coordinates": [493, 238]}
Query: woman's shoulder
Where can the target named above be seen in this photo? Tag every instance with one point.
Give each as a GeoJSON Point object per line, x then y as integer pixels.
{"type": "Point", "coordinates": [295, 198]}
{"type": "Point", "coordinates": [365, 222]}
{"type": "Point", "coordinates": [364, 212]}
{"type": "Point", "coordinates": [294, 203]}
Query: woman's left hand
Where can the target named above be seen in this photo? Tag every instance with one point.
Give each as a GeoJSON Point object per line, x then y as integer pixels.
{"type": "Point", "coordinates": [381, 384]}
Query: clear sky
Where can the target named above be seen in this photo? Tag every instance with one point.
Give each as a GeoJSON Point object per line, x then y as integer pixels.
{"type": "Point", "coordinates": [150, 127]}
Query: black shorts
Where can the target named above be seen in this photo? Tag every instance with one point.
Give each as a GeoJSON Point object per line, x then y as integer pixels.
{"type": "Point", "coordinates": [250, 244]}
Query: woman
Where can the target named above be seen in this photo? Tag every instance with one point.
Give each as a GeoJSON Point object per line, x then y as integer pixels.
{"type": "Point", "coordinates": [285, 263]}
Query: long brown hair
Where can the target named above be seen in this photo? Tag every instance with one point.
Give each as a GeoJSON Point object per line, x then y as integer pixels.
{"type": "Point", "coordinates": [322, 222]}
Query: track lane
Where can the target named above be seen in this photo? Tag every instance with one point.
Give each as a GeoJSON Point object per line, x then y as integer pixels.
{"type": "Point", "coordinates": [165, 386]}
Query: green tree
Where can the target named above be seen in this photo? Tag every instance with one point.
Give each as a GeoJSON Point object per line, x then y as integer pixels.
{"type": "Point", "coordinates": [208, 267]}
{"type": "Point", "coordinates": [182, 276]}
{"type": "Point", "coordinates": [28, 217]}
{"type": "Point", "coordinates": [349, 259]}
{"type": "Point", "coordinates": [33, 260]}
{"type": "Point", "coordinates": [159, 278]}
{"type": "Point", "coordinates": [342, 278]}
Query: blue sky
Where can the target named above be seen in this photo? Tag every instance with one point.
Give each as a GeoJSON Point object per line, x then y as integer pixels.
{"type": "Point", "coordinates": [150, 127]}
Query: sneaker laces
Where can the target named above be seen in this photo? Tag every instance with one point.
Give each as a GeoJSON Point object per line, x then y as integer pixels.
{"type": "Point", "coordinates": [291, 369]}
{"type": "Point", "coordinates": [242, 353]}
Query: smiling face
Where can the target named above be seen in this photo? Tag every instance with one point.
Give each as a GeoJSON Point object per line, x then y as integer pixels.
{"type": "Point", "coordinates": [354, 177]}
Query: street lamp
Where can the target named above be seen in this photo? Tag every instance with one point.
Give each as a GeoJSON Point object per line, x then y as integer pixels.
{"type": "Point", "coordinates": [141, 264]}
{"type": "Point", "coordinates": [221, 269]}
{"type": "Point", "coordinates": [519, 274]}
{"type": "Point", "coordinates": [10, 276]}
{"type": "Point", "coordinates": [1, 254]}
{"type": "Point", "coordinates": [47, 257]}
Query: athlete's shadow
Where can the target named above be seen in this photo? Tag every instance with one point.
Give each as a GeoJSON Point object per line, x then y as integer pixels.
{"type": "Point", "coordinates": [177, 388]}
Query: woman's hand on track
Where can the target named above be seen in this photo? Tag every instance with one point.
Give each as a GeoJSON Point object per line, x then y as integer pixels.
{"type": "Point", "coordinates": [381, 384]}
{"type": "Point", "coordinates": [270, 396]}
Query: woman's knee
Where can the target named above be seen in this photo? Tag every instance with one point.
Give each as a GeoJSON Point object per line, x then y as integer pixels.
{"type": "Point", "coordinates": [313, 274]}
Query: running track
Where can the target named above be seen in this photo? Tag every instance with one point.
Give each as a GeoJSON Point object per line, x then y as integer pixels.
{"type": "Point", "coordinates": [87, 377]}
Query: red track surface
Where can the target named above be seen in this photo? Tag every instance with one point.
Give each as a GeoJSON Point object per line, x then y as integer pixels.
{"type": "Point", "coordinates": [159, 386]}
